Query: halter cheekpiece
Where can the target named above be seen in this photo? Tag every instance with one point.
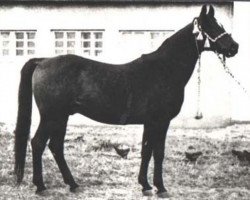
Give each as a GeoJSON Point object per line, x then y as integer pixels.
{"type": "Point", "coordinates": [198, 30]}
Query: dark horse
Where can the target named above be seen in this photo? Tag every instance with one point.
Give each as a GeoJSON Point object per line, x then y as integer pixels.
{"type": "Point", "coordinates": [148, 91]}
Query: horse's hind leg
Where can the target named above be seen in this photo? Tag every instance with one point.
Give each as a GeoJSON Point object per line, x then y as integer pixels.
{"type": "Point", "coordinates": [146, 154]}
{"type": "Point", "coordinates": [56, 145]}
{"type": "Point", "coordinates": [38, 145]}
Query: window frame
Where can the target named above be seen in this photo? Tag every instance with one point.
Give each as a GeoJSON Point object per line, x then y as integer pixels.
{"type": "Point", "coordinates": [88, 46]}
{"type": "Point", "coordinates": [13, 41]}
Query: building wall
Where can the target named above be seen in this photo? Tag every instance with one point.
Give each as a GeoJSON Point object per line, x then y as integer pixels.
{"type": "Point", "coordinates": [241, 64]}
{"type": "Point", "coordinates": [216, 94]}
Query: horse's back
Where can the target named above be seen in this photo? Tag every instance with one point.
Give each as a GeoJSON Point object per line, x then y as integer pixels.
{"type": "Point", "coordinates": [72, 84]}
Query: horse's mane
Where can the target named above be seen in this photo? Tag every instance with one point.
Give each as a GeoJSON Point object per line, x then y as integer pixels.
{"type": "Point", "coordinates": [179, 35]}
{"type": "Point", "coordinates": [170, 45]}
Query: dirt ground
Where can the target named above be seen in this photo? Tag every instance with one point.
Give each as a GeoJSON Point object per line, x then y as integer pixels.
{"type": "Point", "coordinates": [102, 174]}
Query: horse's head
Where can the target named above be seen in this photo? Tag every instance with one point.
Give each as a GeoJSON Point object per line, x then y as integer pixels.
{"type": "Point", "coordinates": [220, 41]}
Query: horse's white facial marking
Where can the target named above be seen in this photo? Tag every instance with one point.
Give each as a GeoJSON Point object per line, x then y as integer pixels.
{"type": "Point", "coordinates": [207, 9]}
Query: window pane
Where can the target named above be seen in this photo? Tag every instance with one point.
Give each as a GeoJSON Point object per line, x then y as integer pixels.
{"type": "Point", "coordinates": [31, 35]}
{"type": "Point", "coordinates": [19, 35]}
{"type": "Point", "coordinates": [86, 44]}
{"type": "Point", "coordinates": [86, 52]}
{"type": "Point", "coordinates": [19, 44]}
{"type": "Point", "coordinates": [6, 43]}
{"type": "Point", "coordinates": [139, 32]}
{"type": "Point", "coordinates": [59, 44]}
{"type": "Point", "coordinates": [31, 52]}
{"type": "Point", "coordinates": [5, 52]}
{"type": "Point", "coordinates": [31, 44]}
{"type": "Point", "coordinates": [58, 51]}
{"type": "Point", "coordinates": [5, 34]}
{"type": "Point", "coordinates": [98, 35]}
{"type": "Point", "coordinates": [164, 34]}
{"type": "Point", "coordinates": [58, 35]}
{"type": "Point", "coordinates": [70, 44]}
{"type": "Point", "coordinates": [126, 32]}
{"type": "Point", "coordinates": [154, 35]}
{"type": "Point", "coordinates": [98, 52]}
{"type": "Point", "coordinates": [98, 44]}
{"type": "Point", "coordinates": [70, 51]}
{"type": "Point", "coordinates": [71, 35]}
{"type": "Point", "coordinates": [85, 35]}
{"type": "Point", "coordinates": [19, 52]}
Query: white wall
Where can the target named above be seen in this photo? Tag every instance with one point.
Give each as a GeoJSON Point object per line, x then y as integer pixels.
{"type": "Point", "coordinates": [216, 98]}
{"type": "Point", "coordinates": [241, 63]}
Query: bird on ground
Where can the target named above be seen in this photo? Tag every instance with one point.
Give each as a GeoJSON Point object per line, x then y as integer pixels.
{"type": "Point", "coordinates": [247, 155]}
{"type": "Point", "coordinates": [242, 155]}
{"type": "Point", "coordinates": [192, 157]}
{"type": "Point", "coordinates": [239, 154]}
{"type": "Point", "coordinates": [122, 150]}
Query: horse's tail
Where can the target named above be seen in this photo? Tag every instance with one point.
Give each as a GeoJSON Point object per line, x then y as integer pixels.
{"type": "Point", "coordinates": [24, 116]}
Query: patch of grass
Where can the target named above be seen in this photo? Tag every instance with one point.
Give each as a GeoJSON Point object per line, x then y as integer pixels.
{"type": "Point", "coordinates": [216, 174]}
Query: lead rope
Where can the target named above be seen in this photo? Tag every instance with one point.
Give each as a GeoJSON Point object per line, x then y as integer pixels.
{"type": "Point", "coordinates": [198, 112]}
{"type": "Point", "coordinates": [229, 72]}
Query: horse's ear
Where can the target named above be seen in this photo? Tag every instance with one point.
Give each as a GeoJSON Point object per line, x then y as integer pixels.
{"type": "Point", "coordinates": [203, 11]}
{"type": "Point", "coordinates": [211, 11]}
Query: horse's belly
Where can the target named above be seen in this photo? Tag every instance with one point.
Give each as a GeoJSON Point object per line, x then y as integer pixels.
{"type": "Point", "coordinates": [105, 117]}
{"type": "Point", "coordinates": [104, 112]}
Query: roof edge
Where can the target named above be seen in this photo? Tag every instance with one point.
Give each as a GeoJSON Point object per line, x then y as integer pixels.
{"type": "Point", "coordinates": [116, 1]}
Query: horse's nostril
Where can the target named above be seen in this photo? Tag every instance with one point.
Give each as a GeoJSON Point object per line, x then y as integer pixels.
{"type": "Point", "coordinates": [234, 47]}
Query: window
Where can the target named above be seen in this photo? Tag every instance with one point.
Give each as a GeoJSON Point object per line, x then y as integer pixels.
{"type": "Point", "coordinates": [82, 42]}
{"type": "Point", "coordinates": [17, 43]}
{"type": "Point", "coordinates": [92, 43]}
{"type": "Point", "coordinates": [157, 37]}
{"type": "Point", "coordinates": [134, 43]}
{"type": "Point", "coordinates": [5, 43]}
{"type": "Point", "coordinates": [150, 39]}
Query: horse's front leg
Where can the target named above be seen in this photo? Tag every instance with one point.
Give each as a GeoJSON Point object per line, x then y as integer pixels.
{"type": "Point", "coordinates": [158, 139]}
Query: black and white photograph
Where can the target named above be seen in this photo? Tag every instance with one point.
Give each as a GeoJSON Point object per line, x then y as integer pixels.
{"type": "Point", "coordinates": [124, 100]}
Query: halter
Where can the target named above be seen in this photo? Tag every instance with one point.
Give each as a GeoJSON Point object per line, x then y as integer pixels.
{"type": "Point", "coordinates": [198, 30]}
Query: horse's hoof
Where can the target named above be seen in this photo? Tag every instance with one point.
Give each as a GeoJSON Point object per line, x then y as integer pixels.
{"type": "Point", "coordinates": [147, 193]}
{"type": "Point", "coordinates": [41, 191]}
{"type": "Point", "coordinates": [163, 195]}
{"type": "Point", "coordinates": [75, 189]}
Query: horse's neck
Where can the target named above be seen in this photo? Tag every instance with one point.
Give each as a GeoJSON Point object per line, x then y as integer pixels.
{"type": "Point", "coordinates": [179, 53]}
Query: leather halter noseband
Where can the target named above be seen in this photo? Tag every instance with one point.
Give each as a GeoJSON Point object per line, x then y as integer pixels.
{"type": "Point", "coordinates": [215, 39]}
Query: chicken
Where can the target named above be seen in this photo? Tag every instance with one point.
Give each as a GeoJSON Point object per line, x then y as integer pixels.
{"type": "Point", "coordinates": [247, 155]}
{"type": "Point", "coordinates": [239, 154]}
{"type": "Point", "coordinates": [192, 157]}
{"type": "Point", "coordinates": [122, 150]}
{"type": "Point", "coordinates": [242, 155]}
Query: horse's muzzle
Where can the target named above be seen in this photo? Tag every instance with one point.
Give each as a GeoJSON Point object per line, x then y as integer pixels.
{"type": "Point", "coordinates": [232, 51]}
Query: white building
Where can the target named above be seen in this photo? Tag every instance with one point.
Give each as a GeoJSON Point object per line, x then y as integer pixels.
{"type": "Point", "coordinates": [118, 31]}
